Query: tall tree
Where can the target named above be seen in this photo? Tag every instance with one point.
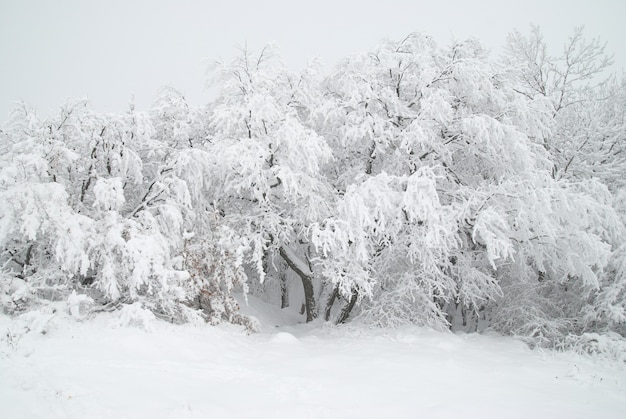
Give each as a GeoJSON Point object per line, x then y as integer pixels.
{"type": "Point", "coordinates": [270, 187]}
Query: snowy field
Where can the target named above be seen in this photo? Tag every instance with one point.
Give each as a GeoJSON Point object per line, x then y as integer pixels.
{"type": "Point", "coordinates": [101, 369]}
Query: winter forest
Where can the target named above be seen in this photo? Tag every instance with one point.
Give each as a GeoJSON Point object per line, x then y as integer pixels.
{"type": "Point", "coordinates": [415, 184]}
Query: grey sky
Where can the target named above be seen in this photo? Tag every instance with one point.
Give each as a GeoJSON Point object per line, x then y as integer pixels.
{"type": "Point", "coordinates": [51, 51]}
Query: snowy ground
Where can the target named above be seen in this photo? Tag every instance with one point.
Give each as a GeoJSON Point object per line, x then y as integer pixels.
{"type": "Point", "coordinates": [98, 369]}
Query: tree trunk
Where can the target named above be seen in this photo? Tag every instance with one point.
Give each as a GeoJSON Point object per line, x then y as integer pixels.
{"type": "Point", "coordinates": [345, 313]}
{"type": "Point", "coordinates": [330, 302]}
{"type": "Point", "coordinates": [284, 289]}
{"type": "Point", "coordinates": [307, 282]}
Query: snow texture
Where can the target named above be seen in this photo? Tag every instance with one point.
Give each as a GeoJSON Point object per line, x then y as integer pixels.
{"type": "Point", "coordinates": [103, 369]}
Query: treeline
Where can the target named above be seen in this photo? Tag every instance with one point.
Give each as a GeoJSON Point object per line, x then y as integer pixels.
{"type": "Point", "coordinates": [414, 184]}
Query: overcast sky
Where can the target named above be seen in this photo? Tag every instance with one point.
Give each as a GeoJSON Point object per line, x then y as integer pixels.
{"type": "Point", "coordinates": [106, 50]}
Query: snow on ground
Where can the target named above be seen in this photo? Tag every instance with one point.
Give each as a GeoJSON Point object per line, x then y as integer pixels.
{"type": "Point", "coordinates": [151, 369]}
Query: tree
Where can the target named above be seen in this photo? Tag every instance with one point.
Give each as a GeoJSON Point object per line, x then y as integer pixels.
{"type": "Point", "coordinates": [103, 203]}
{"type": "Point", "coordinates": [583, 126]}
{"type": "Point", "coordinates": [445, 197]}
{"type": "Point", "coordinates": [400, 120]}
{"type": "Point", "coordinates": [270, 187]}
{"type": "Point", "coordinates": [584, 131]}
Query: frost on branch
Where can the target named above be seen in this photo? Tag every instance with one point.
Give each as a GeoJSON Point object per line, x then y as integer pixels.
{"type": "Point", "coordinates": [491, 231]}
{"type": "Point", "coordinates": [109, 194]}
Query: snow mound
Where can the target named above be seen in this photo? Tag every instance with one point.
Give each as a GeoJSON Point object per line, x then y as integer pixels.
{"type": "Point", "coordinates": [284, 337]}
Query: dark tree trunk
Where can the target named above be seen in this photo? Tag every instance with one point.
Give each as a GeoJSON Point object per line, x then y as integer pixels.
{"type": "Point", "coordinates": [284, 290]}
{"type": "Point", "coordinates": [330, 302]}
{"type": "Point", "coordinates": [345, 313]}
{"type": "Point", "coordinates": [307, 284]}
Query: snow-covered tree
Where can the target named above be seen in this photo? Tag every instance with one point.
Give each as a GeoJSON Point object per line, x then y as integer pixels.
{"type": "Point", "coordinates": [269, 186]}
{"type": "Point", "coordinates": [109, 203]}
{"type": "Point", "coordinates": [585, 129]}
{"type": "Point", "coordinates": [582, 131]}
{"type": "Point", "coordinates": [443, 189]}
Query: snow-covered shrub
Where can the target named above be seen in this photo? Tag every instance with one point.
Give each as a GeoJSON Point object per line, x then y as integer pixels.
{"type": "Point", "coordinates": [216, 267]}
{"type": "Point", "coordinates": [135, 315]}
{"type": "Point", "coordinates": [608, 345]}
{"type": "Point", "coordinates": [606, 309]}
{"type": "Point", "coordinates": [98, 205]}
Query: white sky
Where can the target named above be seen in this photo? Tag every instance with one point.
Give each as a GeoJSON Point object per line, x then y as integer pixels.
{"type": "Point", "coordinates": [105, 50]}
